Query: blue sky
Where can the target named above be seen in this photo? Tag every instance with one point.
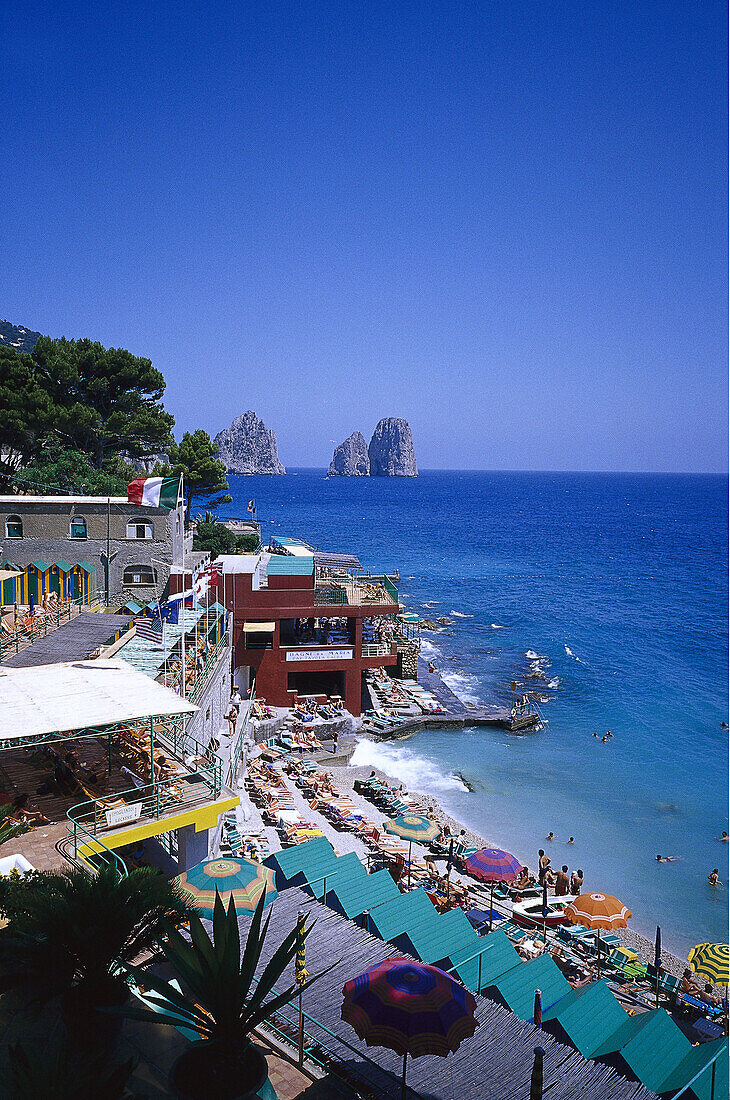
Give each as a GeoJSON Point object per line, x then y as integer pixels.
{"type": "Point", "coordinates": [505, 221]}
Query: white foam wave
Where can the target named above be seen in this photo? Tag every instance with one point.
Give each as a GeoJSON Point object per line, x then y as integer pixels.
{"type": "Point", "coordinates": [570, 653]}
{"type": "Point", "coordinates": [496, 626]}
{"type": "Point", "coordinates": [428, 649]}
{"type": "Point", "coordinates": [463, 685]}
{"type": "Point", "coordinates": [554, 683]}
{"type": "Point", "coordinates": [532, 656]}
{"type": "Point", "coordinates": [418, 773]}
{"type": "Point", "coordinates": [430, 603]}
{"type": "Point", "coordinates": [461, 614]}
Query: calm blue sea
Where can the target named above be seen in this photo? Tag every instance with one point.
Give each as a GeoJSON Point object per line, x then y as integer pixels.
{"type": "Point", "coordinates": [614, 588]}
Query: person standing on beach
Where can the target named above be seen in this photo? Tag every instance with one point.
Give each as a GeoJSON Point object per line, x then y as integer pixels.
{"type": "Point", "coordinates": [576, 882]}
{"type": "Point", "coordinates": [542, 865]}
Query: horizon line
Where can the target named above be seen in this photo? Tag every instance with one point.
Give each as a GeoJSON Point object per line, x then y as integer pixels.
{"type": "Point", "coordinates": [484, 470]}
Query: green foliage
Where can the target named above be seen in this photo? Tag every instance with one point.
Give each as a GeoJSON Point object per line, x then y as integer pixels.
{"type": "Point", "coordinates": [70, 931]}
{"type": "Point", "coordinates": [106, 400]}
{"type": "Point", "coordinates": [218, 539]}
{"type": "Point", "coordinates": [73, 471]}
{"type": "Point", "coordinates": [204, 475]}
{"type": "Point", "coordinates": [10, 829]}
{"type": "Point", "coordinates": [61, 1073]}
{"type": "Point", "coordinates": [27, 413]}
{"type": "Point", "coordinates": [223, 1003]}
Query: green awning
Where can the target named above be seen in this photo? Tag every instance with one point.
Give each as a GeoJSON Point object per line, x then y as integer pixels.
{"type": "Point", "coordinates": [40, 566]}
{"type": "Point", "coordinates": [87, 567]}
{"type": "Point", "coordinates": [63, 566]}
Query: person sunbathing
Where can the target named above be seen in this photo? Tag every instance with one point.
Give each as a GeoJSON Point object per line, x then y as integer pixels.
{"type": "Point", "coordinates": [22, 813]}
{"type": "Point", "coordinates": [689, 983]}
{"type": "Point", "coordinates": [524, 879]}
{"type": "Point", "coordinates": [708, 997]}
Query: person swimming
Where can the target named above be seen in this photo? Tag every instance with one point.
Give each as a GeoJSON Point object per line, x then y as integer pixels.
{"type": "Point", "coordinates": [570, 840]}
{"type": "Point", "coordinates": [550, 836]}
{"type": "Point", "coordinates": [667, 859]}
{"type": "Point", "coordinates": [714, 877]}
{"type": "Point", "coordinates": [724, 837]}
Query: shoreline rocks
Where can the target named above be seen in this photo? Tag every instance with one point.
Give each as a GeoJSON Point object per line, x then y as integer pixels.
{"type": "Point", "coordinates": [249, 447]}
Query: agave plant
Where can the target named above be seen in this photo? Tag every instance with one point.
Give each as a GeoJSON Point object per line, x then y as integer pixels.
{"type": "Point", "coordinates": [68, 933]}
{"type": "Point", "coordinates": [222, 1002]}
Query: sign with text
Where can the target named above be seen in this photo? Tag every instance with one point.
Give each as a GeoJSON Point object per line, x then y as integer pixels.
{"type": "Point", "coordinates": [319, 655]}
{"type": "Point", "coordinates": [122, 814]}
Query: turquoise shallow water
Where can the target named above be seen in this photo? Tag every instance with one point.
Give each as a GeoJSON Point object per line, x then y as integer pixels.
{"type": "Point", "coordinates": [614, 587]}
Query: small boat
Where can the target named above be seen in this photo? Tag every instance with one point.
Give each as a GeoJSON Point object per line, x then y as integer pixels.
{"type": "Point", "coordinates": [529, 911]}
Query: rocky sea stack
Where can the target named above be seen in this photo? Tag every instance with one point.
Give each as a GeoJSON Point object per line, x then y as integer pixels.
{"type": "Point", "coordinates": [391, 449]}
{"type": "Point", "coordinates": [351, 458]}
{"type": "Point", "coordinates": [249, 447]}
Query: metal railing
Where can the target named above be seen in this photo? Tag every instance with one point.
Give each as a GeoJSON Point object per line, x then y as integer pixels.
{"type": "Point", "coordinates": [356, 593]}
{"type": "Point", "coordinates": [46, 620]}
{"type": "Point", "coordinates": [98, 853]}
{"type": "Point", "coordinates": [243, 722]}
{"type": "Point", "coordinates": [379, 649]}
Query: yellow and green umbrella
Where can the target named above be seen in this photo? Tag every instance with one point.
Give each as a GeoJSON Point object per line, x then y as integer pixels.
{"type": "Point", "coordinates": [241, 879]}
{"type": "Point", "coordinates": [711, 961]}
{"type": "Point", "coordinates": [413, 827]}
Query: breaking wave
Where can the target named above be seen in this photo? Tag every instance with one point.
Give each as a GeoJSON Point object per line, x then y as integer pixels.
{"type": "Point", "coordinates": [461, 614]}
{"type": "Point", "coordinates": [401, 763]}
{"type": "Point", "coordinates": [428, 649]}
{"type": "Point", "coordinates": [496, 626]}
{"type": "Point", "coordinates": [463, 685]}
{"type": "Point", "coordinates": [569, 653]}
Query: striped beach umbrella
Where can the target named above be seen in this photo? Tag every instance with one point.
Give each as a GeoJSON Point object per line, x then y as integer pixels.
{"type": "Point", "coordinates": [241, 879]}
{"type": "Point", "coordinates": [711, 961]}
{"type": "Point", "coordinates": [492, 865]}
{"type": "Point", "coordinates": [410, 1008]}
{"type": "Point", "coordinates": [413, 827]}
{"type": "Point", "coordinates": [596, 910]}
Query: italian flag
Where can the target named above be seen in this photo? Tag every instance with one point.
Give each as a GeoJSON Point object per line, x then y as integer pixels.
{"type": "Point", "coordinates": [157, 492]}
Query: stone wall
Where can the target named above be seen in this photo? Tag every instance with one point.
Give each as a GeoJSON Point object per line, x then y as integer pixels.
{"type": "Point", "coordinates": [407, 667]}
{"type": "Point", "coordinates": [46, 536]}
{"type": "Point", "coordinates": [213, 703]}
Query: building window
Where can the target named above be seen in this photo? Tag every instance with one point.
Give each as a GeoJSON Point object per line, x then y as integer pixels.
{"type": "Point", "coordinates": [78, 527]}
{"type": "Point", "coordinates": [139, 574]}
{"type": "Point", "coordinates": [139, 529]}
{"type": "Point", "coordinates": [13, 527]}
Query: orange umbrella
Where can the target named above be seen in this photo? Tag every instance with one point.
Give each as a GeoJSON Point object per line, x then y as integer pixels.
{"type": "Point", "coordinates": [596, 910]}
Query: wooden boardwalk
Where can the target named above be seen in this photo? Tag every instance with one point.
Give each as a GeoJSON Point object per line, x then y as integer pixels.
{"type": "Point", "coordinates": [494, 1064]}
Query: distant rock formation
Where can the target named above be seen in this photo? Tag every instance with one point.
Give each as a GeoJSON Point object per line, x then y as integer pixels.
{"type": "Point", "coordinates": [391, 449]}
{"type": "Point", "coordinates": [351, 458]}
{"type": "Point", "coordinates": [17, 337]}
{"type": "Point", "coordinates": [248, 447]}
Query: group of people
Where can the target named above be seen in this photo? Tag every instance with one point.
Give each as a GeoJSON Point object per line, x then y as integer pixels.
{"type": "Point", "coordinates": [561, 881]}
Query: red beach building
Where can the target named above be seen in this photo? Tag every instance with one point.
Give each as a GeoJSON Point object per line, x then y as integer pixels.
{"type": "Point", "coordinates": [306, 622]}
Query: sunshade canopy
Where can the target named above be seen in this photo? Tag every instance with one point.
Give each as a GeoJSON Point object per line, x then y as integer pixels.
{"type": "Point", "coordinates": [493, 865]}
{"type": "Point", "coordinates": [8, 574]}
{"type": "Point", "coordinates": [39, 702]}
{"type": "Point", "coordinates": [711, 961]}
{"type": "Point", "coordinates": [596, 910]}
{"type": "Point", "coordinates": [416, 827]}
{"type": "Point", "coordinates": [240, 879]}
{"type": "Point", "coordinates": [259, 628]}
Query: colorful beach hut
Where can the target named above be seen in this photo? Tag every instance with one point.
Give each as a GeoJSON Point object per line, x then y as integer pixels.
{"type": "Point", "coordinates": [59, 578]}
{"type": "Point", "coordinates": [82, 580]}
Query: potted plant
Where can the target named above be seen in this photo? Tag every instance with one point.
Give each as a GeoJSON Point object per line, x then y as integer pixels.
{"type": "Point", "coordinates": [220, 1000]}
{"type": "Point", "coordinates": [68, 934]}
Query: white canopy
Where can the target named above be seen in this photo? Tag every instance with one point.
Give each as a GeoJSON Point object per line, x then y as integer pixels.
{"type": "Point", "coordinates": [64, 698]}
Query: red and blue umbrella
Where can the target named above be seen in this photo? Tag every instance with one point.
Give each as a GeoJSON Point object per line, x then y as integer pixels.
{"type": "Point", "coordinates": [493, 865]}
{"type": "Point", "coordinates": [410, 1008]}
